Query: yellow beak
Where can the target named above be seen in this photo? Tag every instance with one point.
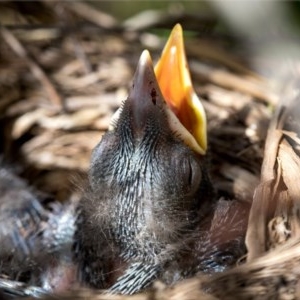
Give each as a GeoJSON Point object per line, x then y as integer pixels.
{"type": "Point", "coordinates": [174, 80]}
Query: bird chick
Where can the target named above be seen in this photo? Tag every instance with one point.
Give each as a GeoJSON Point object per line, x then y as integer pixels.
{"type": "Point", "coordinates": [149, 211]}
{"type": "Point", "coordinates": [147, 193]}
{"type": "Point", "coordinates": [35, 236]}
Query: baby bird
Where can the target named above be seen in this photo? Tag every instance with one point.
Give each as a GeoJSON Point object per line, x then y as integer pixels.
{"type": "Point", "coordinates": [147, 192]}
{"type": "Point", "coordinates": [149, 211]}
{"type": "Point", "coordinates": [35, 236]}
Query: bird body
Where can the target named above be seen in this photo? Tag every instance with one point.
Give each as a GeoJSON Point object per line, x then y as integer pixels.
{"type": "Point", "coordinates": [149, 202]}
{"type": "Point", "coordinates": [136, 208]}
{"type": "Point", "coordinates": [36, 236]}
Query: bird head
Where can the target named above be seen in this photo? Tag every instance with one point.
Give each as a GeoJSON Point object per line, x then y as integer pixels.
{"type": "Point", "coordinates": [153, 154]}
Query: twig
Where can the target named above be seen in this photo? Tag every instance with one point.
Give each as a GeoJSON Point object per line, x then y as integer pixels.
{"type": "Point", "coordinates": [92, 14]}
{"type": "Point", "coordinates": [37, 71]}
{"type": "Point", "coordinates": [229, 80]}
{"type": "Point", "coordinates": [209, 51]}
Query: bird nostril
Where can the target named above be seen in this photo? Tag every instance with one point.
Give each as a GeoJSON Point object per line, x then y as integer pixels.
{"type": "Point", "coordinates": [153, 96]}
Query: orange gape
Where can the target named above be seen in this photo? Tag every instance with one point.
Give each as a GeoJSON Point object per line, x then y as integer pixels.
{"type": "Point", "coordinates": [174, 80]}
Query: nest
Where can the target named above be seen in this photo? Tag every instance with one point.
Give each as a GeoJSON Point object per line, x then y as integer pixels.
{"type": "Point", "coordinates": [66, 67]}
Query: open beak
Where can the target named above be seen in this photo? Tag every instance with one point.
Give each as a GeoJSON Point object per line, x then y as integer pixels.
{"type": "Point", "coordinates": [174, 80]}
{"type": "Point", "coordinates": [146, 102]}
{"type": "Point", "coordinates": [180, 103]}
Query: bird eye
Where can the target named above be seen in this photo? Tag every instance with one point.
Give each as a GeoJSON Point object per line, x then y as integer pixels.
{"type": "Point", "coordinates": [190, 177]}
{"type": "Point", "coordinates": [193, 174]}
